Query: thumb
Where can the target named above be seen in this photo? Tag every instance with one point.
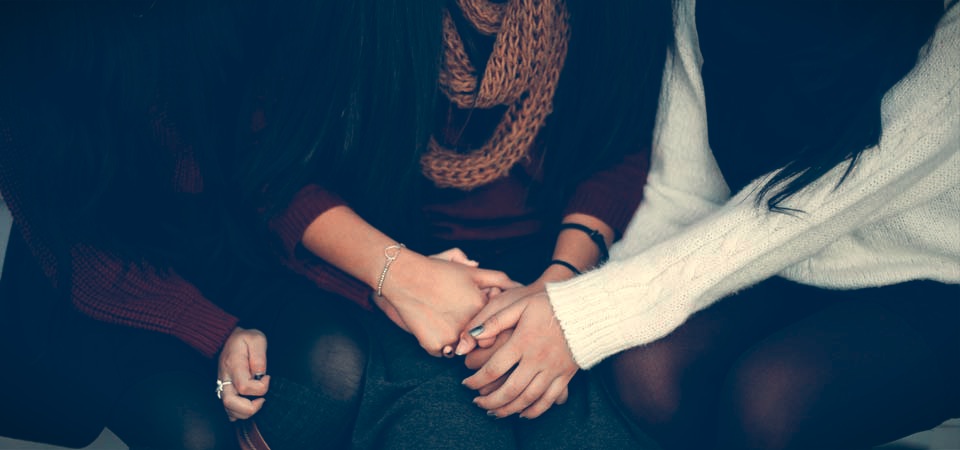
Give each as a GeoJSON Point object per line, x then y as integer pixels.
{"type": "Point", "coordinates": [504, 319]}
{"type": "Point", "coordinates": [485, 278]}
{"type": "Point", "coordinates": [456, 255]}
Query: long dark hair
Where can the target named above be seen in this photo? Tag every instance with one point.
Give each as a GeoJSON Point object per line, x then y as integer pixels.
{"type": "Point", "coordinates": [802, 83]}
{"type": "Point", "coordinates": [350, 99]}
{"type": "Point", "coordinates": [89, 91]}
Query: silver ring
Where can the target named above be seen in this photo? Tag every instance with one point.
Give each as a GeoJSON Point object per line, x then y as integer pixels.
{"type": "Point", "coordinates": [220, 385]}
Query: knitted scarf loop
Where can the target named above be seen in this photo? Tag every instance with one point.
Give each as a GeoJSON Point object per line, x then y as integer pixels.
{"type": "Point", "coordinates": [522, 74]}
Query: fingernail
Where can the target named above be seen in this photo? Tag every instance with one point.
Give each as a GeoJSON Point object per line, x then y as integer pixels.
{"type": "Point", "coordinates": [491, 413]}
{"type": "Point", "coordinates": [447, 350]}
{"type": "Point", "coordinates": [476, 330]}
{"type": "Point", "coordinates": [460, 349]}
{"type": "Point", "coordinates": [259, 375]}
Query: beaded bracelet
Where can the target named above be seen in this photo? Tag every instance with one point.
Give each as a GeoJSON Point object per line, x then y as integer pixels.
{"type": "Point", "coordinates": [560, 262]}
{"type": "Point", "coordinates": [594, 235]}
{"type": "Point", "coordinates": [392, 252]}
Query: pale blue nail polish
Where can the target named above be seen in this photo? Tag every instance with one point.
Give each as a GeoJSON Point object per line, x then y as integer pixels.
{"type": "Point", "coordinates": [476, 330]}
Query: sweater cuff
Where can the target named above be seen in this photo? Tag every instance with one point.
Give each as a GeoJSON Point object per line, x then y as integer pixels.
{"type": "Point", "coordinates": [589, 323]}
{"type": "Point", "coordinates": [306, 206]}
{"type": "Point", "coordinates": [205, 327]}
{"type": "Point", "coordinates": [600, 318]}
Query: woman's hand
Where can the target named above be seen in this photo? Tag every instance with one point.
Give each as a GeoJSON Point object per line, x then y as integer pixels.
{"type": "Point", "coordinates": [242, 371]}
{"type": "Point", "coordinates": [453, 255]}
{"type": "Point", "coordinates": [433, 299]}
{"type": "Point", "coordinates": [500, 301]}
{"type": "Point", "coordinates": [478, 357]}
{"type": "Point", "coordinates": [538, 349]}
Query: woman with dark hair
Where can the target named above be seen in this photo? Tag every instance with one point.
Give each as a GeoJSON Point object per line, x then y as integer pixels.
{"type": "Point", "coordinates": [790, 280]}
{"type": "Point", "coordinates": [516, 131]}
{"type": "Point", "coordinates": [128, 274]}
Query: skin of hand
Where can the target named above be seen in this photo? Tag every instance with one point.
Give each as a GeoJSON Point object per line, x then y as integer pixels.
{"type": "Point", "coordinates": [538, 349]}
{"type": "Point", "coordinates": [453, 255]}
{"type": "Point", "coordinates": [500, 301]}
{"type": "Point", "coordinates": [433, 298]}
{"type": "Point", "coordinates": [243, 361]}
{"type": "Point", "coordinates": [479, 356]}
{"type": "Point", "coordinates": [430, 298]}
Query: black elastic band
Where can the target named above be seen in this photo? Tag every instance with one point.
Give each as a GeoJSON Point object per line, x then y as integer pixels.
{"type": "Point", "coordinates": [563, 263]}
{"type": "Point", "coordinates": [595, 236]}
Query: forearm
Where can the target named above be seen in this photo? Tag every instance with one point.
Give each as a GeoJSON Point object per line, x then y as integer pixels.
{"type": "Point", "coordinates": [345, 240]}
{"type": "Point", "coordinates": [577, 248]}
{"type": "Point", "coordinates": [109, 289]}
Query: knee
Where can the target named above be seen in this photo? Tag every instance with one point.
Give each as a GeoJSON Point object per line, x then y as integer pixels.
{"type": "Point", "coordinates": [323, 352]}
{"type": "Point", "coordinates": [200, 431]}
{"type": "Point", "coordinates": [336, 361]}
{"type": "Point", "coordinates": [762, 404]}
{"type": "Point", "coordinates": [646, 381]}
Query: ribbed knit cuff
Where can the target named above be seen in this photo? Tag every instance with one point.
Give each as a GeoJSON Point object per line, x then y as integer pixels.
{"type": "Point", "coordinates": [306, 206]}
{"type": "Point", "coordinates": [205, 327]}
{"type": "Point", "coordinates": [590, 323]}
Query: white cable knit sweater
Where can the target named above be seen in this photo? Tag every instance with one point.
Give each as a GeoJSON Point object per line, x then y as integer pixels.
{"type": "Point", "coordinates": [895, 218]}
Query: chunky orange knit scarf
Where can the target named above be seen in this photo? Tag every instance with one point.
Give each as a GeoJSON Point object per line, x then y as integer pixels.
{"type": "Point", "coordinates": [522, 73]}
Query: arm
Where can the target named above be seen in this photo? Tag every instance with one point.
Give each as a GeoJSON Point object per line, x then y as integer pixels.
{"type": "Point", "coordinates": [701, 247]}
{"type": "Point", "coordinates": [605, 201]}
{"type": "Point", "coordinates": [709, 245]}
{"type": "Point", "coordinates": [431, 298]}
{"type": "Point", "coordinates": [291, 227]}
{"type": "Point", "coordinates": [107, 288]}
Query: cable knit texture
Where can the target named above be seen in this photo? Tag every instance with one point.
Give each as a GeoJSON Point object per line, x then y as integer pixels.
{"type": "Point", "coordinates": [895, 218]}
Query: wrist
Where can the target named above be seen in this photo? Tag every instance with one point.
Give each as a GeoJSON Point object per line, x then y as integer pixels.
{"type": "Point", "coordinates": [406, 269]}
{"type": "Point", "coordinates": [554, 273]}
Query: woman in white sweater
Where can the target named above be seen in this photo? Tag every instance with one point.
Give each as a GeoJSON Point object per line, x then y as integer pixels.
{"type": "Point", "coordinates": [790, 279]}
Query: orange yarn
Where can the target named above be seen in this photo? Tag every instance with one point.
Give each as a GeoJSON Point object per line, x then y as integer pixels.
{"type": "Point", "coordinates": [522, 73]}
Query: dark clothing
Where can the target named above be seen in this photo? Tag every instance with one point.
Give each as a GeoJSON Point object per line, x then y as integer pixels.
{"type": "Point", "coordinates": [796, 77]}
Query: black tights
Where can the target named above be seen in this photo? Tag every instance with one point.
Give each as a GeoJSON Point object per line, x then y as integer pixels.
{"type": "Point", "coordinates": [787, 366]}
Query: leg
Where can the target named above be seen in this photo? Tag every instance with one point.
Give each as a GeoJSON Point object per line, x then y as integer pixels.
{"type": "Point", "coordinates": [413, 400]}
{"type": "Point", "coordinates": [859, 373]}
{"type": "Point", "coordinates": [317, 356]}
{"type": "Point", "coordinates": [172, 410]}
{"type": "Point", "coordinates": [670, 387]}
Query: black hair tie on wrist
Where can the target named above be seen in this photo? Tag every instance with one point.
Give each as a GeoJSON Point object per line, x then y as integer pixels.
{"type": "Point", "coordinates": [594, 235]}
{"type": "Point", "coordinates": [563, 263]}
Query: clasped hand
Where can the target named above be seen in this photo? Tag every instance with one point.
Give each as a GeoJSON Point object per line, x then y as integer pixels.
{"type": "Point", "coordinates": [433, 298]}
{"type": "Point", "coordinates": [522, 359]}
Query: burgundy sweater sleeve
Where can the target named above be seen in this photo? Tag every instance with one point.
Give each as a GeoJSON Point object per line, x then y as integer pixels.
{"type": "Point", "coordinates": [107, 288]}
{"type": "Point", "coordinates": [290, 225]}
{"type": "Point", "coordinates": [613, 194]}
